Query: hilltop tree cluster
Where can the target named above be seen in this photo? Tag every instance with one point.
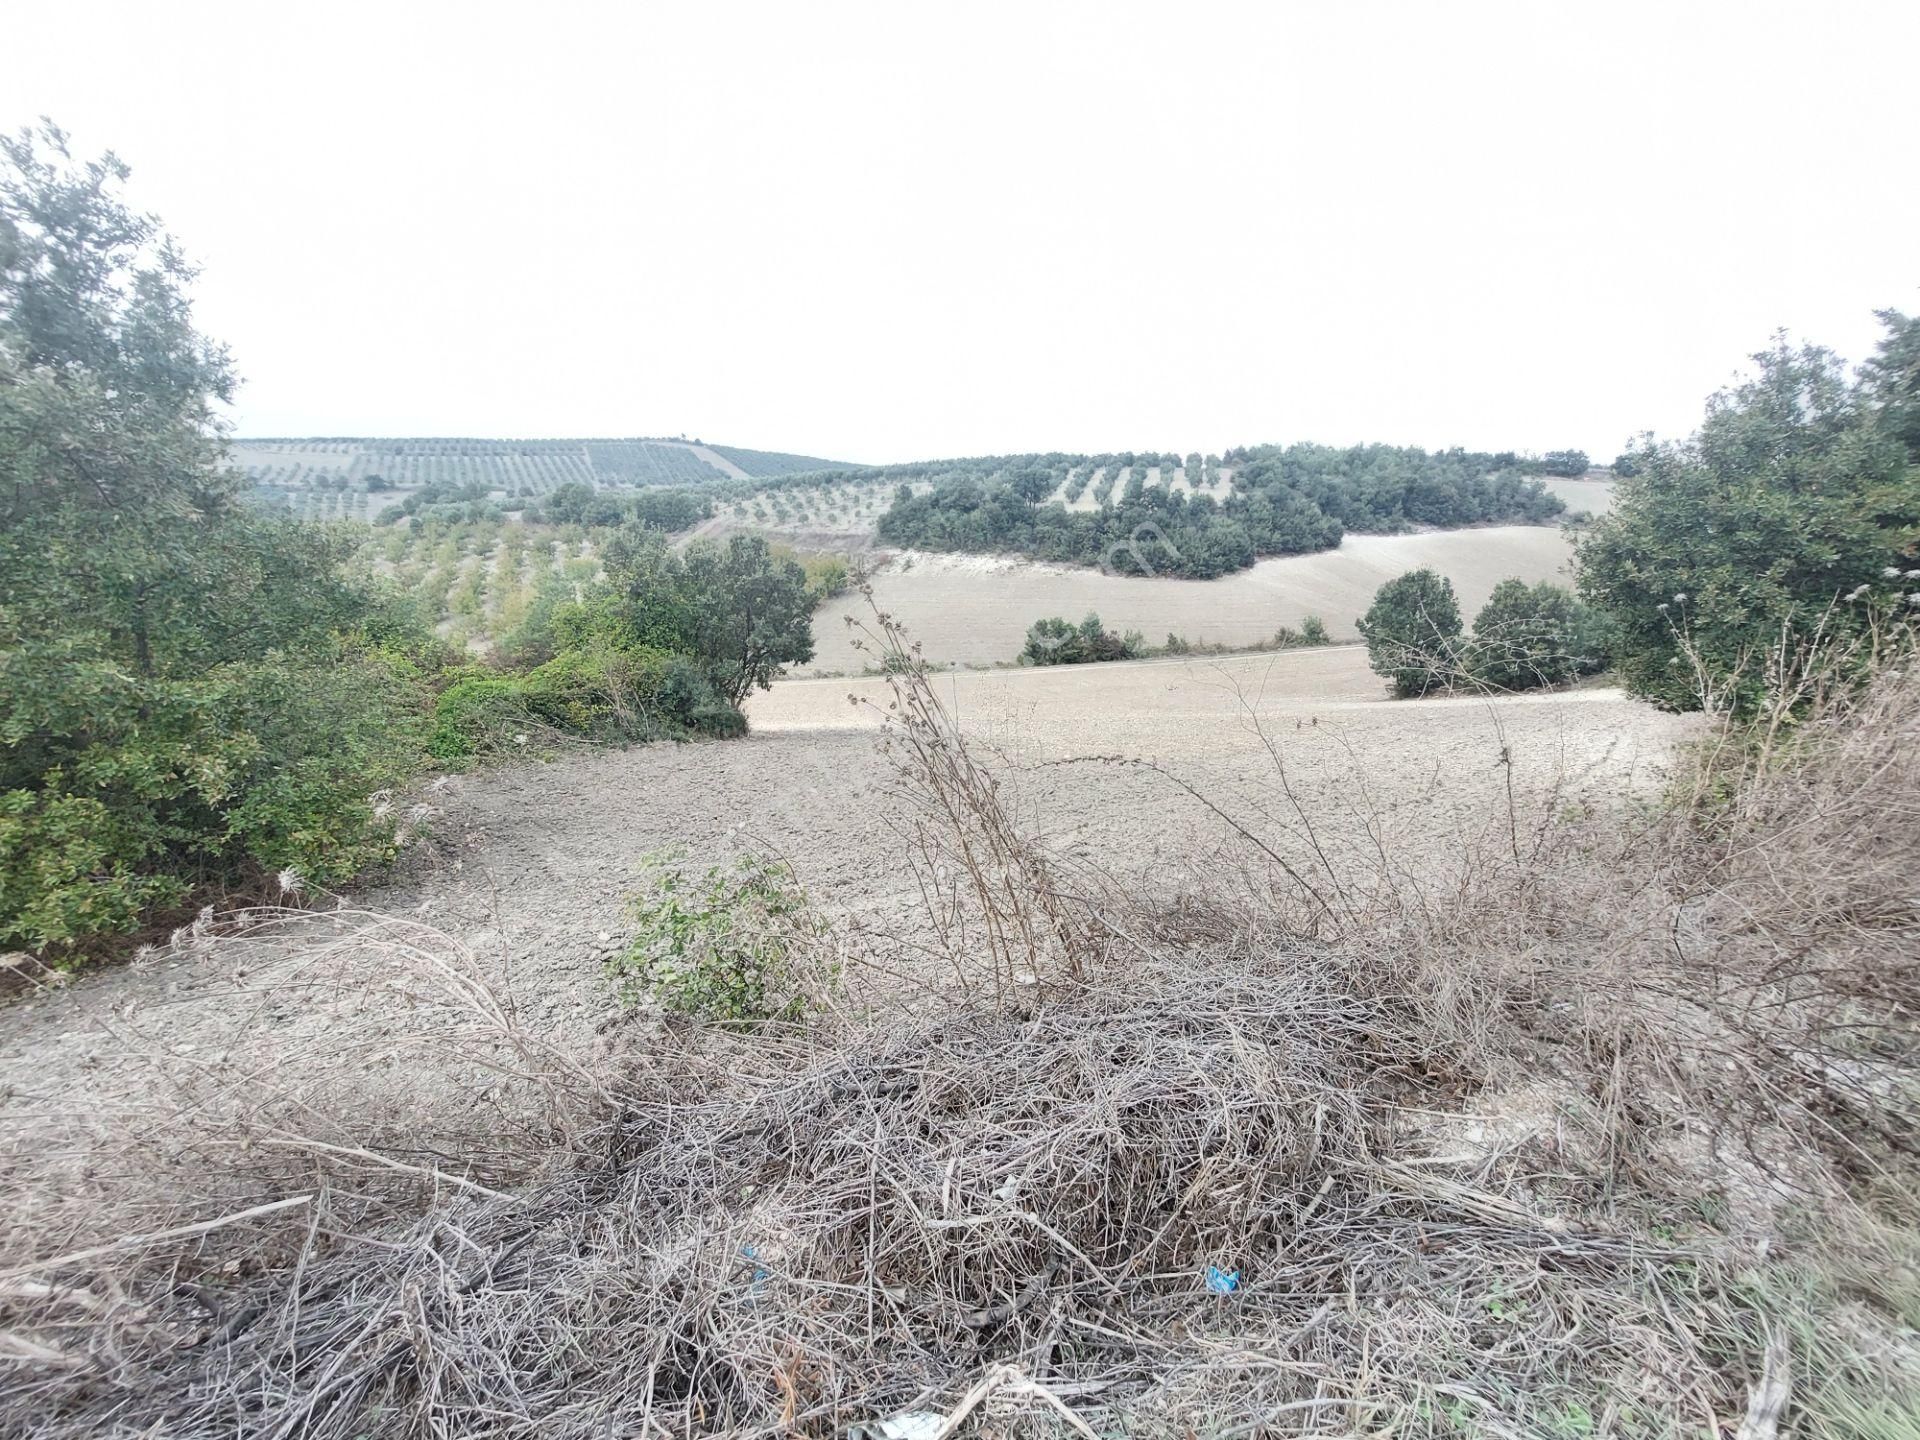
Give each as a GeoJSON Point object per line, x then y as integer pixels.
{"type": "Point", "coordinates": [1283, 501]}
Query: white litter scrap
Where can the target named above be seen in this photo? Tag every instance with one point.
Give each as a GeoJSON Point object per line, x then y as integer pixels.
{"type": "Point", "coordinates": [925, 1425]}
{"type": "Point", "coordinates": [909, 1425]}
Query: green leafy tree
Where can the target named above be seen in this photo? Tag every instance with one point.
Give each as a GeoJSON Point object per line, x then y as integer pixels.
{"type": "Point", "coordinates": [1412, 631]}
{"type": "Point", "coordinates": [742, 612]}
{"type": "Point", "coordinates": [1531, 635]}
{"type": "Point", "coordinates": [185, 693]}
{"type": "Point", "coordinates": [1795, 510]}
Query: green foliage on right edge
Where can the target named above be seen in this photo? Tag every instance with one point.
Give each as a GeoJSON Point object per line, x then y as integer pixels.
{"type": "Point", "coordinates": [1795, 511]}
{"type": "Point", "coordinates": [1412, 631]}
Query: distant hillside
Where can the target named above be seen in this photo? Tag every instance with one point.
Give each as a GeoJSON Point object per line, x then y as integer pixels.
{"type": "Point", "coordinates": [765, 464]}
{"type": "Point", "coordinates": [515, 467]}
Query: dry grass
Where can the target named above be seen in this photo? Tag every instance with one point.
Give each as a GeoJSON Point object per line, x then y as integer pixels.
{"type": "Point", "coordinates": [1604, 1130]}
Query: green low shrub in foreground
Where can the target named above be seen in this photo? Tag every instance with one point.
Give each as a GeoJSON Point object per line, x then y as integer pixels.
{"type": "Point", "coordinates": [729, 947]}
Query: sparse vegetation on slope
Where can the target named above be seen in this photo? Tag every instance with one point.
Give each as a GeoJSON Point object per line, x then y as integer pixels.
{"type": "Point", "coordinates": [767, 464]}
{"type": "Point", "coordinates": [512, 468]}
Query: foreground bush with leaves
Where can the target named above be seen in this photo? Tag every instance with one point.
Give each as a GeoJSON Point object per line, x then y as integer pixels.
{"type": "Point", "coordinates": [734, 946]}
{"type": "Point", "coordinates": [1792, 516]}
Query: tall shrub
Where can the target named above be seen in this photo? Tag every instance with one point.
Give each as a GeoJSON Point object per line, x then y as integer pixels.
{"type": "Point", "coordinates": [1412, 631]}
{"type": "Point", "coordinates": [1794, 512]}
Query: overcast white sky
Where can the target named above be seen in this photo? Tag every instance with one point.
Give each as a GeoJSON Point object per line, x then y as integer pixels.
{"type": "Point", "coordinates": [901, 230]}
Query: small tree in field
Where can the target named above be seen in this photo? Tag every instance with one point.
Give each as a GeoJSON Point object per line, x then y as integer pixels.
{"type": "Point", "coordinates": [1412, 631]}
{"type": "Point", "coordinates": [1531, 635]}
{"type": "Point", "coordinates": [743, 612]}
{"type": "Point", "coordinates": [1054, 641]}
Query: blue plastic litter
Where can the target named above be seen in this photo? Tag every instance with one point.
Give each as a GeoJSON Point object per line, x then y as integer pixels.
{"type": "Point", "coordinates": [1222, 1282]}
{"type": "Point", "coordinates": [760, 1272]}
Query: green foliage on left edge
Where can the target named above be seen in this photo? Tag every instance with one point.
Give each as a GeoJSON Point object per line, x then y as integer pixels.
{"type": "Point", "coordinates": [186, 693]}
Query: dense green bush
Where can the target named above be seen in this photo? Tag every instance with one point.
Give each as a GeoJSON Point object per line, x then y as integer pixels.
{"type": "Point", "coordinates": [1532, 635]}
{"type": "Point", "coordinates": [827, 576]}
{"type": "Point", "coordinates": [243, 770]}
{"type": "Point", "coordinates": [595, 692]}
{"type": "Point", "coordinates": [1794, 512]}
{"type": "Point", "coordinates": [1058, 642]}
{"type": "Point", "coordinates": [1412, 631]}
